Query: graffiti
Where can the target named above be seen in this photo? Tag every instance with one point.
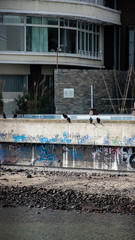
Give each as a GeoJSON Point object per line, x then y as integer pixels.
{"type": "Point", "coordinates": [76, 154]}
{"type": "Point", "coordinates": [47, 140]}
{"type": "Point", "coordinates": [82, 140]}
{"type": "Point", "coordinates": [65, 138]}
{"type": "Point", "coordinates": [132, 160]}
{"type": "Point", "coordinates": [116, 142]}
{"type": "Point", "coordinates": [2, 156]}
{"type": "Point", "coordinates": [45, 152]}
{"type": "Point", "coordinates": [106, 140]}
{"type": "Point", "coordinates": [129, 141]}
{"type": "Point", "coordinates": [96, 157]}
{"type": "Point", "coordinates": [19, 138]}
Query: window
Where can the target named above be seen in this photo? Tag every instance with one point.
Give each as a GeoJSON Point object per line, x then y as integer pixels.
{"type": "Point", "coordinates": [68, 92]}
{"type": "Point", "coordinates": [68, 40]}
{"type": "Point", "coordinates": [37, 39]}
{"type": "Point", "coordinates": [43, 34]}
{"type": "Point", "coordinates": [11, 38]}
{"type": "Point", "coordinates": [13, 19]}
{"type": "Point", "coordinates": [13, 83]}
{"type": "Point", "coordinates": [34, 20]}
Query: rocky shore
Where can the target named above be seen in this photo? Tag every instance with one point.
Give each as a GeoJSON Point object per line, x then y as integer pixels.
{"type": "Point", "coordinates": [91, 192]}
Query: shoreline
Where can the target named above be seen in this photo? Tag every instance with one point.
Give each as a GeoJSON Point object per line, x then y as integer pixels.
{"type": "Point", "coordinates": [64, 190]}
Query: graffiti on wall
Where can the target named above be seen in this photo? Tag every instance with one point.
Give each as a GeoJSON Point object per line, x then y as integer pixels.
{"type": "Point", "coordinates": [79, 156]}
{"type": "Point", "coordinates": [67, 138]}
{"type": "Point", "coordinates": [116, 142]}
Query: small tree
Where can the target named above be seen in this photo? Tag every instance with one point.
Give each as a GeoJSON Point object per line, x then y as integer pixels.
{"type": "Point", "coordinates": [41, 103]}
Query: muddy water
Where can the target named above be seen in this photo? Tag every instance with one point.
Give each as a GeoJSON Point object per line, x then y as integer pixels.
{"type": "Point", "coordinates": [36, 224]}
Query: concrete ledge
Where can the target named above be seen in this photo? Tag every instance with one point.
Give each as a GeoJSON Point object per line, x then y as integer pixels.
{"type": "Point", "coordinates": [79, 132]}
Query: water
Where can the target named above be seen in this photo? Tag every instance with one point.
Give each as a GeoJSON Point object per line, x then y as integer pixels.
{"type": "Point", "coordinates": [36, 224]}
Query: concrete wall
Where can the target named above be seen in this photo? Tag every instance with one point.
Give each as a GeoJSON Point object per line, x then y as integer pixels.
{"type": "Point", "coordinates": [73, 156]}
{"type": "Point", "coordinates": [56, 143]}
{"type": "Point", "coordinates": [79, 132]}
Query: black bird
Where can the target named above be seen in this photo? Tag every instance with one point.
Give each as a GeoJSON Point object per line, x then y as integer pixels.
{"type": "Point", "coordinates": [98, 120]}
{"type": "Point", "coordinates": [65, 116]}
{"type": "Point", "coordinates": [4, 115]}
{"type": "Point", "coordinates": [15, 115]}
{"type": "Point", "coordinates": [68, 119]}
{"type": "Point", "coordinates": [91, 120]}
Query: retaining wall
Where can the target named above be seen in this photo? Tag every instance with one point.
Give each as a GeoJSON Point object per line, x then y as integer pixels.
{"type": "Point", "coordinates": [109, 145]}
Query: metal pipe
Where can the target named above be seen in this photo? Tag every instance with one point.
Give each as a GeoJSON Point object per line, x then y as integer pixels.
{"type": "Point", "coordinates": [91, 96]}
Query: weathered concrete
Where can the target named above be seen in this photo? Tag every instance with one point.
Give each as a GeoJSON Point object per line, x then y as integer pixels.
{"type": "Point", "coordinates": [109, 145]}
{"type": "Point", "coordinates": [80, 132]}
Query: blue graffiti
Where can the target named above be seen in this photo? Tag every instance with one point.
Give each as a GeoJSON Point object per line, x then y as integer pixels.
{"type": "Point", "coordinates": [82, 140]}
{"type": "Point", "coordinates": [2, 155]}
{"type": "Point", "coordinates": [76, 154]}
{"type": "Point", "coordinates": [65, 138]}
{"type": "Point", "coordinates": [2, 136]}
{"type": "Point", "coordinates": [47, 140]}
{"type": "Point", "coordinates": [19, 138]}
{"type": "Point", "coordinates": [129, 141]}
{"type": "Point", "coordinates": [45, 152]}
{"type": "Point", "coordinates": [106, 140]}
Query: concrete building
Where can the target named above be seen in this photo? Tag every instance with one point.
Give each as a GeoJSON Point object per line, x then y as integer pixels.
{"type": "Point", "coordinates": [37, 37]}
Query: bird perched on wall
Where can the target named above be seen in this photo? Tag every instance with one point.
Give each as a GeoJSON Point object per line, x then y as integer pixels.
{"type": "Point", "coordinates": [14, 115]}
{"type": "Point", "coordinates": [66, 117]}
{"type": "Point", "coordinates": [4, 115]}
{"type": "Point", "coordinates": [91, 120]}
{"type": "Point", "coordinates": [98, 120]}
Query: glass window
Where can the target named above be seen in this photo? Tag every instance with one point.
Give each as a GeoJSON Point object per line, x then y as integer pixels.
{"type": "Point", "coordinates": [131, 36]}
{"type": "Point", "coordinates": [52, 21]}
{"type": "Point", "coordinates": [90, 27]}
{"type": "Point", "coordinates": [90, 42]}
{"type": "Point", "coordinates": [68, 40]}
{"type": "Point", "coordinates": [37, 39]}
{"type": "Point", "coordinates": [13, 19]}
{"type": "Point", "coordinates": [72, 23]}
{"type": "Point", "coordinates": [34, 20]}
{"type": "Point", "coordinates": [11, 38]}
{"type": "Point", "coordinates": [1, 18]}
{"type": "Point", "coordinates": [98, 28]}
{"type": "Point", "coordinates": [52, 39]}
{"type": "Point", "coordinates": [63, 22]}
{"type": "Point", "coordinates": [13, 83]}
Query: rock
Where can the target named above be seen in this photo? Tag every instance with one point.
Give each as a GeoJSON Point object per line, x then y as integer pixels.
{"type": "Point", "coordinates": [29, 175]}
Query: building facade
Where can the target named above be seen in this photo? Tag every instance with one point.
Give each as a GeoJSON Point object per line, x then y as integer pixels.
{"type": "Point", "coordinates": [38, 37]}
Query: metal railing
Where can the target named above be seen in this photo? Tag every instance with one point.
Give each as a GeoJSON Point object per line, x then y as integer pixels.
{"type": "Point", "coordinates": [90, 55]}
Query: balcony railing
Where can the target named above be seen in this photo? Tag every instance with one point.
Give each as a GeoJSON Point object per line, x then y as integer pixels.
{"type": "Point", "coordinates": [90, 55]}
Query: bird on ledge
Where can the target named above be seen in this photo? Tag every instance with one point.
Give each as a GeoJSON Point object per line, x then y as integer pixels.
{"type": "Point", "coordinates": [66, 117]}
{"type": "Point", "coordinates": [4, 115]}
{"type": "Point", "coordinates": [14, 115]}
{"type": "Point", "coordinates": [98, 120]}
{"type": "Point", "coordinates": [91, 120]}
